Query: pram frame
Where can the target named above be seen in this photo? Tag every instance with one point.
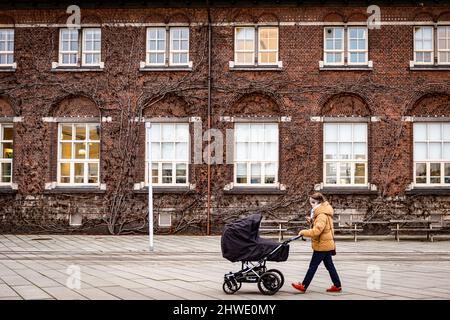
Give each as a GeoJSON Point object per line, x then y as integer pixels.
{"type": "Point", "coordinates": [233, 281]}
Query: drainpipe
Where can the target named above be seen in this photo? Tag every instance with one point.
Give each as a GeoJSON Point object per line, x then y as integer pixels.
{"type": "Point", "coordinates": [208, 222]}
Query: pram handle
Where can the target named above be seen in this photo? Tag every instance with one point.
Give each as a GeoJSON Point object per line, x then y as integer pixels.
{"type": "Point", "coordinates": [294, 238]}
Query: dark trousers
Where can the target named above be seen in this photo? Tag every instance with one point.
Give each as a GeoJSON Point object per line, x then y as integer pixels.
{"type": "Point", "coordinates": [317, 258]}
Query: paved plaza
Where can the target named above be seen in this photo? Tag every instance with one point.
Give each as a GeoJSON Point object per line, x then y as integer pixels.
{"type": "Point", "coordinates": [192, 267]}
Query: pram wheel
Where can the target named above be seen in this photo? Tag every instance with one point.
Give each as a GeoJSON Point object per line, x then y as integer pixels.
{"type": "Point", "coordinates": [269, 283]}
{"type": "Point", "coordinates": [278, 272]}
{"type": "Point", "coordinates": [230, 287]}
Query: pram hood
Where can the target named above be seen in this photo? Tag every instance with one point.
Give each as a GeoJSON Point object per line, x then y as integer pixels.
{"type": "Point", "coordinates": [241, 242]}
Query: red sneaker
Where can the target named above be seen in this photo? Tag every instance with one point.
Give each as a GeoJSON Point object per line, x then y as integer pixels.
{"type": "Point", "coordinates": [333, 288]}
{"type": "Point", "coordinates": [299, 286]}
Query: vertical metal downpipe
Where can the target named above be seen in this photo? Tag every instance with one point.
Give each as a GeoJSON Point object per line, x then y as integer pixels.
{"type": "Point", "coordinates": [208, 222]}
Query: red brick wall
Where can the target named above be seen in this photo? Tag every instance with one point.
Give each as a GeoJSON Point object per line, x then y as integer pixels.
{"type": "Point", "coordinates": [391, 90]}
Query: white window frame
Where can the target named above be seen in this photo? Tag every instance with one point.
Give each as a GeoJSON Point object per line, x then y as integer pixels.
{"type": "Point", "coordinates": [325, 50]}
{"type": "Point", "coordinates": [447, 37]}
{"type": "Point", "coordinates": [352, 161]}
{"type": "Point", "coordinates": [73, 160]}
{"type": "Point", "coordinates": [5, 160]}
{"type": "Point", "coordinates": [62, 52]}
{"type": "Point", "coordinates": [84, 51]}
{"type": "Point", "coordinates": [80, 52]}
{"type": "Point", "coordinates": [249, 162]}
{"type": "Point", "coordinates": [366, 51]}
{"type": "Point", "coordinates": [268, 50]}
{"type": "Point", "coordinates": [172, 51]}
{"type": "Point", "coordinates": [244, 51]}
{"type": "Point", "coordinates": [345, 51]}
{"type": "Point", "coordinates": [432, 46]}
{"type": "Point", "coordinates": [148, 52]}
{"type": "Point", "coordinates": [427, 161]}
{"type": "Point", "coordinates": [256, 60]}
{"type": "Point", "coordinates": [8, 52]}
{"type": "Point", "coordinates": [160, 162]}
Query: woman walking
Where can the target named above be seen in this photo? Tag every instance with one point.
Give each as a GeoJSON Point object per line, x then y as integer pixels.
{"type": "Point", "coordinates": [322, 240]}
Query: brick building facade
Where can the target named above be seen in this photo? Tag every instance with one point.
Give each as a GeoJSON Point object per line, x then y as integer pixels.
{"type": "Point", "coordinates": [316, 98]}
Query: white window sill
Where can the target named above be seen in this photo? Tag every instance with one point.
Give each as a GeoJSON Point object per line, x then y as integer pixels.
{"type": "Point", "coordinates": [428, 67]}
{"type": "Point", "coordinates": [8, 67]}
{"type": "Point", "coordinates": [61, 186]}
{"type": "Point", "coordinates": [148, 67]}
{"type": "Point", "coordinates": [76, 189]}
{"type": "Point", "coordinates": [141, 187]}
{"type": "Point", "coordinates": [56, 67]}
{"type": "Point", "coordinates": [255, 67]}
{"type": "Point", "coordinates": [345, 67]}
{"type": "Point", "coordinates": [429, 186]}
{"type": "Point", "coordinates": [346, 189]}
{"type": "Point", "coordinates": [166, 189]}
{"type": "Point", "coordinates": [234, 188]}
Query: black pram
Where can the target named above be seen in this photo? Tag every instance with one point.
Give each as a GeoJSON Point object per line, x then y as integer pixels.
{"type": "Point", "coordinates": [241, 242]}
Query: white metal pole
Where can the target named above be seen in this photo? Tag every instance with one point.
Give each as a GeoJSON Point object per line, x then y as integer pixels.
{"type": "Point", "coordinates": [150, 187]}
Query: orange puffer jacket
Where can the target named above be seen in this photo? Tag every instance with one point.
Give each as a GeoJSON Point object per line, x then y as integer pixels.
{"type": "Point", "coordinates": [322, 232]}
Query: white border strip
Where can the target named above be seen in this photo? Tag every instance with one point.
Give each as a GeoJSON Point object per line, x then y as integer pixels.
{"type": "Point", "coordinates": [223, 24]}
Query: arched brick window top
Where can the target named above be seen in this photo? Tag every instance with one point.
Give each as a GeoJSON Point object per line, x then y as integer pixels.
{"type": "Point", "coordinates": [432, 104]}
{"type": "Point", "coordinates": [424, 16]}
{"type": "Point", "coordinates": [7, 20]}
{"type": "Point", "coordinates": [6, 109]}
{"type": "Point", "coordinates": [86, 18]}
{"type": "Point", "coordinates": [255, 104]}
{"type": "Point", "coordinates": [170, 106]}
{"type": "Point", "coordinates": [156, 18]}
{"type": "Point", "coordinates": [75, 106]}
{"type": "Point", "coordinates": [444, 16]}
{"type": "Point", "coordinates": [91, 18]}
{"type": "Point", "coordinates": [334, 17]}
{"type": "Point", "coordinates": [346, 104]}
{"type": "Point", "coordinates": [179, 17]}
{"type": "Point", "coordinates": [244, 17]}
{"type": "Point", "coordinates": [357, 17]}
{"type": "Point", "coordinates": [267, 17]}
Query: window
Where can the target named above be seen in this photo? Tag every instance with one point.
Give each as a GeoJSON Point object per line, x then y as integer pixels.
{"type": "Point", "coordinates": [345, 154]}
{"type": "Point", "coordinates": [170, 153]}
{"type": "Point", "coordinates": [426, 39]}
{"type": "Point", "coordinates": [179, 46]}
{"type": "Point", "coordinates": [78, 154]}
{"type": "Point", "coordinates": [268, 45]}
{"type": "Point", "coordinates": [91, 46]}
{"type": "Point", "coordinates": [356, 52]}
{"type": "Point", "coordinates": [357, 45]}
{"type": "Point", "coordinates": [443, 45]}
{"type": "Point", "coordinates": [432, 153]}
{"type": "Point", "coordinates": [245, 46]}
{"type": "Point", "coordinates": [423, 45]}
{"type": "Point", "coordinates": [158, 53]}
{"type": "Point", "coordinates": [334, 46]}
{"type": "Point", "coordinates": [6, 47]}
{"type": "Point", "coordinates": [70, 51]}
{"type": "Point", "coordinates": [246, 49]}
{"type": "Point", "coordinates": [256, 154]}
{"type": "Point", "coordinates": [156, 46]}
{"type": "Point", "coordinates": [6, 149]}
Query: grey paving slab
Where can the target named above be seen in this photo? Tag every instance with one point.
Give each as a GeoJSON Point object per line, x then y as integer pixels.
{"type": "Point", "coordinates": [124, 293]}
{"type": "Point", "coordinates": [191, 267]}
{"type": "Point", "coordinates": [31, 292]}
{"type": "Point", "coordinates": [7, 291]}
{"type": "Point", "coordinates": [64, 293]}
